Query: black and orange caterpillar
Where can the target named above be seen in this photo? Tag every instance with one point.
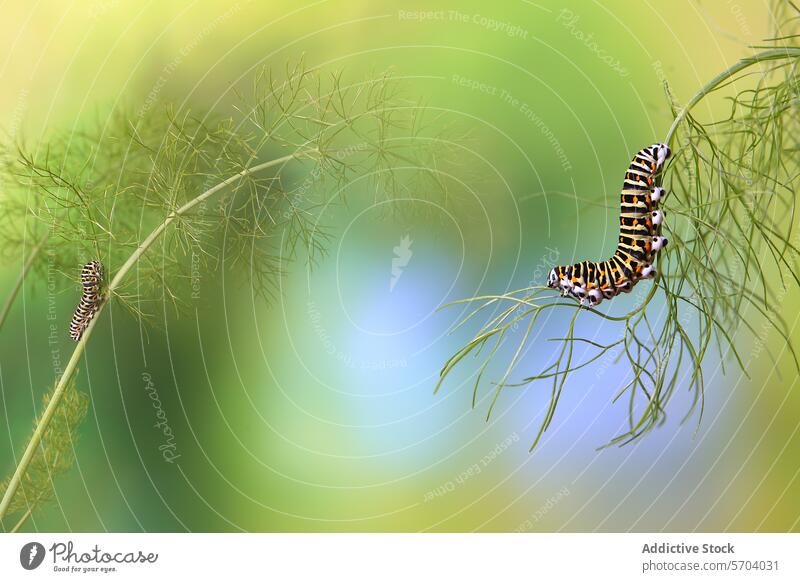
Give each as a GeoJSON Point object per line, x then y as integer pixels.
{"type": "Point", "coordinates": [639, 239]}
{"type": "Point", "coordinates": [91, 277]}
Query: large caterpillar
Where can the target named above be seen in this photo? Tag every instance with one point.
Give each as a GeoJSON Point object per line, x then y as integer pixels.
{"type": "Point", "coordinates": [91, 276]}
{"type": "Point", "coordinates": [639, 238]}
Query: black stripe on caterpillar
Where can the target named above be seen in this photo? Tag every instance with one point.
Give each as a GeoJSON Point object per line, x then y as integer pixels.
{"type": "Point", "coordinates": [639, 237]}
{"type": "Point", "coordinates": [89, 304]}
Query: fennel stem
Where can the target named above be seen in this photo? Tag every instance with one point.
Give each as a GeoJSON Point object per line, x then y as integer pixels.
{"type": "Point", "coordinates": [72, 365]}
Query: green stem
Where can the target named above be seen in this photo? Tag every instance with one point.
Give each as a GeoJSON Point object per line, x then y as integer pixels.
{"type": "Point", "coordinates": [762, 57]}
{"type": "Point", "coordinates": [21, 279]}
{"type": "Point", "coordinates": [72, 365]}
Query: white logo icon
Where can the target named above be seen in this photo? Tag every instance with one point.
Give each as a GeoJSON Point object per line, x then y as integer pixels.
{"type": "Point", "coordinates": [402, 255]}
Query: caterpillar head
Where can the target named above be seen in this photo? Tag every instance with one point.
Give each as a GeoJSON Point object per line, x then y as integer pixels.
{"type": "Point", "coordinates": [552, 279]}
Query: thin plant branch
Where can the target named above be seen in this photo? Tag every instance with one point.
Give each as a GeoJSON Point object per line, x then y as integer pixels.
{"type": "Point", "coordinates": [786, 53]}
{"type": "Point", "coordinates": [730, 195]}
{"type": "Point", "coordinates": [21, 279]}
{"type": "Point", "coordinates": [72, 364]}
{"type": "Point", "coordinates": [99, 191]}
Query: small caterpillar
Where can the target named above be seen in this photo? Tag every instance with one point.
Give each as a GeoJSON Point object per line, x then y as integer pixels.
{"type": "Point", "coordinates": [91, 276]}
{"type": "Point", "coordinates": [639, 239]}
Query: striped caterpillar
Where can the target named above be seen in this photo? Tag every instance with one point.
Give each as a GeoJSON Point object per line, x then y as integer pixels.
{"type": "Point", "coordinates": [91, 276]}
{"type": "Point", "coordinates": [639, 238]}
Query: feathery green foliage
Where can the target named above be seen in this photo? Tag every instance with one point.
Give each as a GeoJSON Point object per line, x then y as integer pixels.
{"type": "Point", "coordinates": [100, 191]}
{"type": "Point", "coordinates": [163, 195]}
{"type": "Point", "coordinates": [55, 454]}
{"type": "Point", "coordinates": [733, 253]}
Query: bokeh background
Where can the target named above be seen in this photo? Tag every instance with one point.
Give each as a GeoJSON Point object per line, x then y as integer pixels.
{"type": "Point", "coordinates": [316, 412]}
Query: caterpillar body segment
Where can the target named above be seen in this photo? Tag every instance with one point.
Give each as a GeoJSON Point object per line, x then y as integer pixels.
{"type": "Point", "coordinates": [89, 304]}
{"type": "Point", "coordinates": [640, 223]}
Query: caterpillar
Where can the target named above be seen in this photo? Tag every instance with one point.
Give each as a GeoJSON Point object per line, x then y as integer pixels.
{"type": "Point", "coordinates": [91, 276]}
{"type": "Point", "coordinates": [639, 237]}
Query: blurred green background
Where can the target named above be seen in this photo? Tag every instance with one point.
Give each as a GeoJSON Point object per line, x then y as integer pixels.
{"type": "Point", "coordinates": [316, 412]}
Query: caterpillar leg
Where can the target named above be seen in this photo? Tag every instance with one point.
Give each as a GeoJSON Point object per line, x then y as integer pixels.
{"type": "Point", "coordinates": [662, 152]}
{"type": "Point", "coordinates": [579, 293]}
{"type": "Point", "coordinates": [648, 272]}
{"type": "Point", "coordinates": [657, 194]}
{"type": "Point", "coordinates": [658, 243]}
{"type": "Point", "coordinates": [624, 286]}
{"type": "Point", "coordinates": [657, 217]}
{"type": "Point", "coordinates": [594, 297]}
